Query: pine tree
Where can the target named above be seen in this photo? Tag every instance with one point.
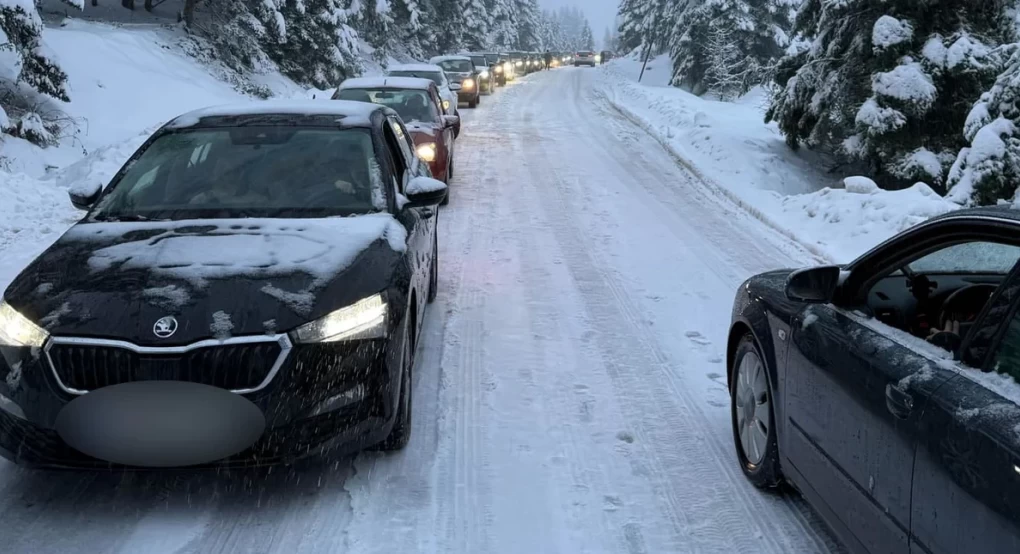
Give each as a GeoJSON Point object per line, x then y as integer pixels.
{"type": "Point", "coordinates": [631, 30]}
{"type": "Point", "coordinates": [23, 58]}
{"type": "Point", "coordinates": [450, 25]}
{"type": "Point", "coordinates": [476, 25]}
{"type": "Point", "coordinates": [529, 26]}
{"type": "Point", "coordinates": [320, 46]}
{"type": "Point", "coordinates": [372, 20]}
{"type": "Point", "coordinates": [411, 33]}
{"type": "Point", "coordinates": [503, 29]}
{"type": "Point", "coordinates": [889, 83]}
{"type": "Point", "coordinates": [988, 170]}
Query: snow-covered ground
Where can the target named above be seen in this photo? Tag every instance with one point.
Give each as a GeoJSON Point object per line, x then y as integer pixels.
{"type": "Point", "coordinates": [731, 148]}
{"type": "Point", "coordinates": [569, 391]}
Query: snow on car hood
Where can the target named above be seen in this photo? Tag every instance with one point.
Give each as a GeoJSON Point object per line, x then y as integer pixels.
{"type": "Point", "coordinates": [261, 275]}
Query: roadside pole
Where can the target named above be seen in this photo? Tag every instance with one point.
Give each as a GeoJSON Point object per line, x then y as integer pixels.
{"type": "Point", "coordinates": [648, 53]}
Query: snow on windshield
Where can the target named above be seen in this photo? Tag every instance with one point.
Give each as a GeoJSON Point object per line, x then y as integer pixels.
{"type": "Point", "coordinates": [971, 257]}
{"type": "Point", "coordinates": [199, 250]}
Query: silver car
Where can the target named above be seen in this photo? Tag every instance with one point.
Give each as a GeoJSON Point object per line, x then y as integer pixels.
{"type": "Point", "coordinates": [584, 58]}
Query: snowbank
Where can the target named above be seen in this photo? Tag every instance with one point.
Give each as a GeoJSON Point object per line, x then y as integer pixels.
{"type": "Point", "coordinates": [735, 152]}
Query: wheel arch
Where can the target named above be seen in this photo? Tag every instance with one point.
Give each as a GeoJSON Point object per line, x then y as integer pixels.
{"type": "Point", "coordinates": [756, 323]}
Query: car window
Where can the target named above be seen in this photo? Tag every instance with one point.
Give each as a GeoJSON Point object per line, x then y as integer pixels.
{"type": "Point", "coordinates": [1007, 358]}
{"type": "Point", "coordinates": [404, 143]}
{"type": "Point", "coordinates": [410, 104]}
{"type": "Point", "coordinates": [258, 171]}
{"type": "Point", "coordinates": [457, 66]}
{"type": "Point", "coordinates": [970, 257]}
{"type": "Point", "coordinates": [434, 76]}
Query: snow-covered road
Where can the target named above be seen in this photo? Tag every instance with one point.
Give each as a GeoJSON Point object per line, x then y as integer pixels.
{"type": "Point", "coordinates": [569, 394]}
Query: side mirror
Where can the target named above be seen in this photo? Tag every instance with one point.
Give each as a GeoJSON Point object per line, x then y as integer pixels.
{"type": "Point", "coordinates": [450, 121]}
{"type": "Point", "coordinates": [454, 87]}
{"type": "Point", "coordinates": [424, 192]}
{"type": "Point", "coordinates": [83, 196]}
{"type": "Point", "coordinates": [814, 285]}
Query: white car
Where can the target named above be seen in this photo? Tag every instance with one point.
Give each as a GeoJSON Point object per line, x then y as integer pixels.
{"type": "Point", "coordinates": [584, 58]}
{"type": "Point", "coordinates": [447, 90]}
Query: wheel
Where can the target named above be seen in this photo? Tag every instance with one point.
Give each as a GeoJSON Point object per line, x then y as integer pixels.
{"type": "Point", "coordinates": [401, 432]}
{"type": "Point", "coordinates": [434, 278]}
{"type": "Point", "coordinates": [753, 416]}
{"type": "Point", "coordinates": [473, 103]}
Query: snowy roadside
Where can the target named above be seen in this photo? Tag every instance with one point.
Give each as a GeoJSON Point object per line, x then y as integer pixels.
{"type": "Point", "coordinates": [731, 148]}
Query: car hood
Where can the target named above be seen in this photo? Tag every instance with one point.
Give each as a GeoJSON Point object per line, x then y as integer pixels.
{"type": "Point", "coordinates": [217, 277]}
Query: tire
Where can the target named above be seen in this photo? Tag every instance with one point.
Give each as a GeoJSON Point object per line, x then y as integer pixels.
{"type": "Point", "coordinates": [761, 468]}
{"type": "Point", "coordinates": [473, 103]}
{"type": "Point", "coordinates": [434, 278]}
{"type": "Point", "coordinates": [401, 432]}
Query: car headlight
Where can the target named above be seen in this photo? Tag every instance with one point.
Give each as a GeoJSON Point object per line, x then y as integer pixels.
{"type": "Point", "coordinates": [484, 75]}
{"type": "Point", "coordinates": [446, 104]}
{"type": "Point", "coordinates": [17, 330]}
{"type": "Point", "coordinates": [427, 152]}
{"type": "Point", "coordinates": [499, 69]}
{"type": "Point", "coordinates": [365, 319]}
{"type": "Point", "coordinates": [519, 64]}
{"type": "Point", "coordinates": [467, 84]}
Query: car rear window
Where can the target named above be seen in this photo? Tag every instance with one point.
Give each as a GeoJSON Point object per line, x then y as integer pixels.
{"type": "Point", "coordinates": [257, 171]}
{"type": "Point", "coordinates": [435, 77]}
{"type": "Point", "coordinates": [410, 104]}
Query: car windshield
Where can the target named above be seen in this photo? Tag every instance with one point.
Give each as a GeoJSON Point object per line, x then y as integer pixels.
{"type": "Point", "coordinates": [259, 171]}
{"type": "Point", "coordinates": [435, 76]}
{"type": "Point", "coordinates": [479, 61]}
{"type": "Point", "coordinates": [410, 104]}
{"type": "Point", "coordinates": [457, 66]}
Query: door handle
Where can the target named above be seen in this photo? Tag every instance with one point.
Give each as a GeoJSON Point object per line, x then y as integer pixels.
{"type": "Point", "coordinates": [899, 402]}
{"type": "Point", "coordinates": [427, 213]}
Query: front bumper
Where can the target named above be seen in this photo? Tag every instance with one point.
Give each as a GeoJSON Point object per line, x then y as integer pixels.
{"type": "Point", "coordinates": [325, 399]}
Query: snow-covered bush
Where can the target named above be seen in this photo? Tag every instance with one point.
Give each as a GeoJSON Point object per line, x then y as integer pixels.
{"type": "Point", "coordinates": [889, 85]}
{"type": "Point", "coordinates": [23, 57]}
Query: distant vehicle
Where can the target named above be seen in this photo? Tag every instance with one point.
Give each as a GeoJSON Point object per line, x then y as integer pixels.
{"type": "Point", "coordinates": [486, 80]}
{"type": "Point", "coordinates": [447, 90]}
{"type": "Point", "coordinates": [460, 70]}
{"type": "Point", "coordinates": [417, 103]}
{"type": "Point", "coordinates": [885, 390]}
{"type": "Point", "coordinates": [605, 56]}
{"type": "Point", "coordinates": [584, 57]}
{"type": "Point", "coordinates": [497, 65]}
{"type": "Point", "coordinates": [249, 289]}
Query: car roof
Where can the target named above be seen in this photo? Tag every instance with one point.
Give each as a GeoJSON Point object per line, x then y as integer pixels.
{"type": "Point", "coordinates": [449, 58]}
{"type": "Point", "coordinates": [413, 83]}
{"type": "Point", "coordinates": [999, 212]}
{"type": "Point", "coordinates": [414, 67]}
{"type": "Point", "coordinates": [358, 114]}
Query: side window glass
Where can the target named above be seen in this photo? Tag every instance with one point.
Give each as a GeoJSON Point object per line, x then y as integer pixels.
{"type": "Point", "coordinates": [396, 153]}
{"type": "Point", "coordinates": [403, 141]}
{"type": "Point", "coordinates": [1007, 359]}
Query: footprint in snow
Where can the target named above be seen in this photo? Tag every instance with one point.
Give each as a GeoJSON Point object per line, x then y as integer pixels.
{"type": "Point", "coordinates": [611, 503]}
{"type": "Point", "coordinates": [625, 437]}
{"type": "Point", "coordinates": [697, 338]}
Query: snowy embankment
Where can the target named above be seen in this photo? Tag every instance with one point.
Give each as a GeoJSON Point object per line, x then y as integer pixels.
{"type": "Point", "coordinates": [124, 82]}
{"type": "Point", "coordinates": [729, 146]}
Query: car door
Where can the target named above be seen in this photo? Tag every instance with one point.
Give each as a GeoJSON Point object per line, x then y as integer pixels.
{"type": "Point", "coordinates": [447, 132]}
{"type": "Point", "coordinates": [856, 393]}
{"type": "Point", "coordinates": [966, 487]}
{"type": "Point", "coordinates": [419, 222]}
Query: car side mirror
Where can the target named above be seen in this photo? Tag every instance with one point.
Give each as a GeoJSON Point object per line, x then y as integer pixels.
{"type": "Point", "coordinates": [85, 195]}
{"type": "Point", "coordinates": [454, 87]}
{"type": "Point", "coordinates": [423, 192]}
{"type": "Point", "coordinates": [814, 285]}
{"type": "Point", "coordinates": [450, 121]}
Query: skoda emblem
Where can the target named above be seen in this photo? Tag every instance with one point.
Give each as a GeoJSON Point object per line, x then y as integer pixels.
{"type": "Point", "coordinates": [165, 327]}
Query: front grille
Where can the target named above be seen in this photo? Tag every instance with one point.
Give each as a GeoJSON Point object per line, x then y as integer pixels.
{"type": "Point", "coordinates": [241, 366]}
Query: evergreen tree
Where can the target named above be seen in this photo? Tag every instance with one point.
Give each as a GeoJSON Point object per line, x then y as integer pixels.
{"type": "Point", "coordinates": [450, 25]}
{"type": "Point", "coordinates": [22, 59]}
{"type": "Point", "coordinates": [319, 47]}
{"type": "Point", "coordinates": [411, 32]}
{"type": "Point", "coordinates": [372, 20]}
{"type": "Point", "coordinates": [889, 83]}
{"type": "Point", "coordinates": [587, 40]}
{"type": "Point", "coordinates": [529, 26]}
{"type": "Point", "coordinates": [504, 28]}
{"type": "Point", "coordinates": [476, 24]}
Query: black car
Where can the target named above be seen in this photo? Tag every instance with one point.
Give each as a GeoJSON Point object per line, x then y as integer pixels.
{"type": "Point", "coordinates": [886, 390]}
{"type": "Point", "coordinates": [499, 67]}
{"type": "Point", "coordinates": [486, 79]}
{"type": "Point", "coordinates": [249, 289]}
{"type": "Point", "coordinates": [460, 70]}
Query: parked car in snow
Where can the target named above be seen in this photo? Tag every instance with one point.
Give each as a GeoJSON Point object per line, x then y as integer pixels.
{"type": "Point", "coordinates": [461, 70]}
{"type": "Point", "coordinates": [447, 90]}
{"type": "Point", "coordinates": [249, 289]}
{"type": "Point", "coordinates": [886, 391]}
{"type": "Point", "coordinates": [484, 70]}
{"type": "Point", "coordinates": [498, 67]}
{"type": "Point", "coordinates": [419, 106]}
{"type": "Point", "coordinates": [584, 57]}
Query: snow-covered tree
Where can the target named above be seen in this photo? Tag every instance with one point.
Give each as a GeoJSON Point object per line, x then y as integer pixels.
{"type": "Point", "coordinates": [449, 25]}
{"type": "Point", "coordinates": [476, 24]}
{"type": "Point", "coordinates": [372, 20]}
{"type": "Point", "coordinates": [411, 31]}
{"type": "Point", "coordinates": [756, 31]}
{"type": "Point", "coordinates": [988, 170]}
{"type": "Point", "coordinates": [888, 83]}
{"type": "Point", "coordinates": [319, 46]}
{"type": "Point", "coordinates": [23, 57]}
{"type": "Point", "coordinates": [529, 25]}
{"type": "Point", "coordinates": [503, 28]}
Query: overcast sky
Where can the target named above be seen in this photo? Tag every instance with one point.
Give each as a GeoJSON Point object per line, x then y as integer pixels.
{"type": "Point", "coordinates": [601, 13]}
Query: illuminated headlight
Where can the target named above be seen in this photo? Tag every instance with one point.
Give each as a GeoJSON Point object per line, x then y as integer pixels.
{"type": "Point", "coordinates": [598, 58]}
{"type": "Point", "coordinates": [365, 319]}
{"type": "Point", "coordinates": [484, 74]}
{"type": "Point", "coordinates": [499, 69]}
{"type": "Point", "coordinates": [467, 84]}
{"type": "Point", "coordinates": [519, 64]}
{"type": "Point", "coordinates": [17, 330]}
{"type": "Point", "coordinates": [427, 152]}
{"type": "Point", "coordinates": [446, 104]}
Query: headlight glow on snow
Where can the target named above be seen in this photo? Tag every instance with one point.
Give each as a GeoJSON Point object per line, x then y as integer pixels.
{"type": "Point", "coordinates": [17, 330]}
{"type": "Point", "coordinates": [427, 152]}
{"type": "Point", "coordinates": [365, 319]}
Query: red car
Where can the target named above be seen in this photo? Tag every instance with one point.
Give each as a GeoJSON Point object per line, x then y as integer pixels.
{"type": "Point", "coordinates": [418, 104]}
